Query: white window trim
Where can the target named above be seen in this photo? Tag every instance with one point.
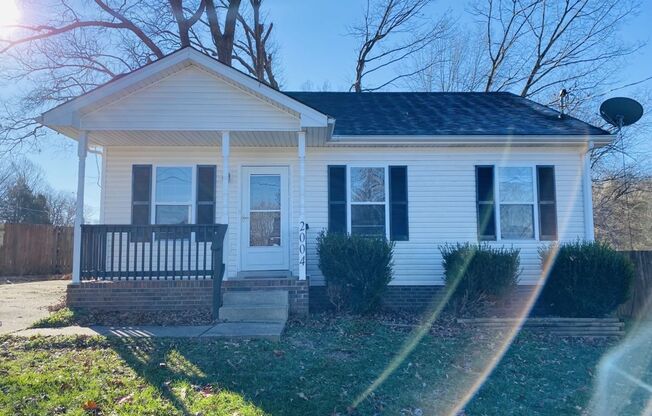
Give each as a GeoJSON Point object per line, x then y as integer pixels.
{"type": "Point", "coordinates": [193, 192]}
{"type": "Point", "coordinates": [497, 203]}
{"type": "Point", "coordinates": [348, 195]}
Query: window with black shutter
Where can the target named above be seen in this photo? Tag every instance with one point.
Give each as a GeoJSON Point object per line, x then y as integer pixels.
{"type": "Point", "coordinates": [141, 198]}
{"type": "Point", "coordinates": [484, 181]}
{"type": "Point", "coordinates": [547, 203]}
{"type": "Point", "coordinates": [398, 208]}
{"type": "Point", "coordinates": [206, 179]}
{"type": "Point", "coordinates": [337, 221]}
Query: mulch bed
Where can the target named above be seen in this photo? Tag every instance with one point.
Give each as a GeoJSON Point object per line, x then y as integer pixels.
{"type": "Point", "coordinates": [114, 318]}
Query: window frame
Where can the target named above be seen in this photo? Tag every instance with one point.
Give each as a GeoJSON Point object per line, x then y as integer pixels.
{"type": "Point", "coordinates": [535, 206]}
{"type": "Point", "coordinates": [192, 214]}
{"type": "Point", "coordinates": [349, 201]}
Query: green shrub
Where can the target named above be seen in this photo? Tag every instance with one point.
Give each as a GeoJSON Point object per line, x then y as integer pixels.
{"type": "Point", "coordinates": [587, 279]}
{"type": "Point", "coordinates": [476, 275]}
{"type": "Point", "coordinates": [357, 270]}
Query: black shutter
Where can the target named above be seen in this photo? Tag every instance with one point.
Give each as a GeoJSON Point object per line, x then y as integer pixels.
{"type": "Point", "coordinates": [141, 194]}
{"type": "Point", "coordinates": [484, 185]}
{"type": "Point", "coordinates": [547, 202]}
{"type": "Point", "coordinates": [337, 199]}
{"type": "Point", "coordinates": [206, 180]}
{"type": "Point", "coordinates": [398, 204]}
{"type": "Point", "coordinates": [141, 200]}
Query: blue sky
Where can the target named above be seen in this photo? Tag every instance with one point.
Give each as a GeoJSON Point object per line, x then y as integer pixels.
{"type": "Point", "coordinates": [314, 46]}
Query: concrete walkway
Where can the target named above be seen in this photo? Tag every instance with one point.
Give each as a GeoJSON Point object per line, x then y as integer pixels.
{"type": "Point", "coordinates": [259, 330]}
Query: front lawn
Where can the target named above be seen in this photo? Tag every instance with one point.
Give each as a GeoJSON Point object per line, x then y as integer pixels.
{"type": "Point", "coordinates": [323, 367]}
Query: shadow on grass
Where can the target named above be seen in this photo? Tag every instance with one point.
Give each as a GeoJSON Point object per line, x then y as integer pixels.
{"type": "Point", "coordinates": [308, 372]}
{"type": "Point", "coordinates": [322, 369]}
{"type": "Point", "coordinates": [141, 354]}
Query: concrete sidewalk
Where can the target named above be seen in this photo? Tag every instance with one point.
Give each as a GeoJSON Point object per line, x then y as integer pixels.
{"type": "Point", "coordinates": [251, 330]}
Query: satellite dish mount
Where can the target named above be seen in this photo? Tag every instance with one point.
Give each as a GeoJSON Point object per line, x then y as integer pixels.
{"type": "Point", "coordinates": [621, 112]}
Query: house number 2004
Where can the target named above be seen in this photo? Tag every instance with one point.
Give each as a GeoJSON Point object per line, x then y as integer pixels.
{"type": "Point", "coordinates": [302, 243]}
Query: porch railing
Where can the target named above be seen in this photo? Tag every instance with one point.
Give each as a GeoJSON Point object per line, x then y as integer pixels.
{"type": "Point", "coordinates": [152, 252]}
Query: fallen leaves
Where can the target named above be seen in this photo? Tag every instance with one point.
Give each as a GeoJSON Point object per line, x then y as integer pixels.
{"type": "Point", "coordinates": [91, 407]}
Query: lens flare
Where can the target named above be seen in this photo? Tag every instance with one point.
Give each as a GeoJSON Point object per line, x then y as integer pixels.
{"type": "Point", "coordinates": [620, 381]}
{"type": "Point", "coordinates": [9, 14]}
{"type": "Point", "coordinates": [467, 389]}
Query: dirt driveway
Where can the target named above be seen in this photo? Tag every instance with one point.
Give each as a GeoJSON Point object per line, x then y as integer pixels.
{"type": "Point", "coordinates": [21, 304]}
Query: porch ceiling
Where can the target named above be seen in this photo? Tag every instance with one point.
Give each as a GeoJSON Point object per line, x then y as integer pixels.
{"type": "Point", "coordinates": [314, 137]}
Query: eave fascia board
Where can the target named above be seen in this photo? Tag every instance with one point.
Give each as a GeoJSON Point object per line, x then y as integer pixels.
{"type": "Point", "coordinates": [470, 140]}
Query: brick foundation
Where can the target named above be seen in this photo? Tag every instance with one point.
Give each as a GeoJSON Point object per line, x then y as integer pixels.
{"type": "Point", "coordinates": [419, 298]}
{"type": "Point", "coordinates": [174, 295]}
{"type": "Point", "coordinates": [406, 298]}
{"type": "Point", "coordinates": [188, 295]}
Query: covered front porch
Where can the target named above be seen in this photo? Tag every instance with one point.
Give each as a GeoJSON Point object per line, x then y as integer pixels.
{"type": "Point", "coordinates": [162, 207]}
{"type": "Point", "coordinates": [203, 178]}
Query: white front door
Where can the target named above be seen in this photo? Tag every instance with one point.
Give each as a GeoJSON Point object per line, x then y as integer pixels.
{"type": "Point", "coordinates": [265, 218]}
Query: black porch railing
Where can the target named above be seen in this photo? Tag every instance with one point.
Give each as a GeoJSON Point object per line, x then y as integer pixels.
{"type": "Point", "coordinates": [152, 252]}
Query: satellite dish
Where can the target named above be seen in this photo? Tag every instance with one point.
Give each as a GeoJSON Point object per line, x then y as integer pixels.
{"type": "Point", "coordinates": [621, 111]}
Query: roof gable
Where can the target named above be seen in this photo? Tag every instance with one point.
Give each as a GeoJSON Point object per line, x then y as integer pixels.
{"type": "Point", "coordinates": [71, 112]}
{"type": "Point", "coordinates": [190, 99]}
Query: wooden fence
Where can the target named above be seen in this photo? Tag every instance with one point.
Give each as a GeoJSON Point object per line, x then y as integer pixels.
{"type": "Point", "coordinates": [35, 249]}
{"type": "Point", "coordinates": [639, 305]}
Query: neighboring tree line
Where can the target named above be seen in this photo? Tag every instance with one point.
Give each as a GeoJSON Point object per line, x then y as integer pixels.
{"type": "Point", "coordinates": [26, 198]}
{"type": "Point", "coordinates": [623, 213]}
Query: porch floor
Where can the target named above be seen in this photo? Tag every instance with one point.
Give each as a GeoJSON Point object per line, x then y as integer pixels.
{"type": "Point", "coordinates": [232, 330]}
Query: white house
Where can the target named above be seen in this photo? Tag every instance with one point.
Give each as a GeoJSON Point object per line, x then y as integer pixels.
{"type": "Point", "coordinates": [188, 140]}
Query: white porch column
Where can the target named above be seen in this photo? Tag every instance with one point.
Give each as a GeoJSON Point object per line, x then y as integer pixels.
{"type": "Point", "coordinates": [82, 150]}
{"type": "Point", "coordinates": [587, 185]}
{"type": "Point", "coordinates": [226, 150]}
{"type": "Point", "coordinates": [301, 138]}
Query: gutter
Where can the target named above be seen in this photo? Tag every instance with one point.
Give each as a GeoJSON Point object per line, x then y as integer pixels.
{"type": "Point", "coordinates": [470, 140]}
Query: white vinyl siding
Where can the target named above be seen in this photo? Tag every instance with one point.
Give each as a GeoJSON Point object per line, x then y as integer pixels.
{"type": "Point", "coordinates": [441, 191]}
{"type": "Point", "coordinates": [190, 99]}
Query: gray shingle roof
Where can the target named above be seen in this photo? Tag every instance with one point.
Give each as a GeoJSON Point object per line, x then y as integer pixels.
{"type": "Point", "coordinates": [441, 113]}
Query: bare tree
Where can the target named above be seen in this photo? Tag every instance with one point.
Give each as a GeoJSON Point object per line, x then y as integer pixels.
{"type": "Point", "coordinates": [254, 50]}
{"type": "Point", "coordinates": [61, 208]}
{"type": "Point", "coordinates": [78, 46]}
{"type": "Point", "coordinates": [623, 212]}
{"type": "Point", "coordinates": [537, 46]}
{"type": "Point", "coordinates": [311, 86]}
{"type": "Point", "coordinates": [452, 63]}
{"type": "Point", "coordinates": [390, 32]}
{"type": "Point", "coordinates": [510, 17]}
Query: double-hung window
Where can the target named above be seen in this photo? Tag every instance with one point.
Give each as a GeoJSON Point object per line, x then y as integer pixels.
{"type": "Point", "coordinates": [516, 202]}
{"type": "Point", "coordinates": [173, 192]}
{"type": "Point", "coordinates": [516, 206]}
{"type": "Point", "coordinates": [368, 201]}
